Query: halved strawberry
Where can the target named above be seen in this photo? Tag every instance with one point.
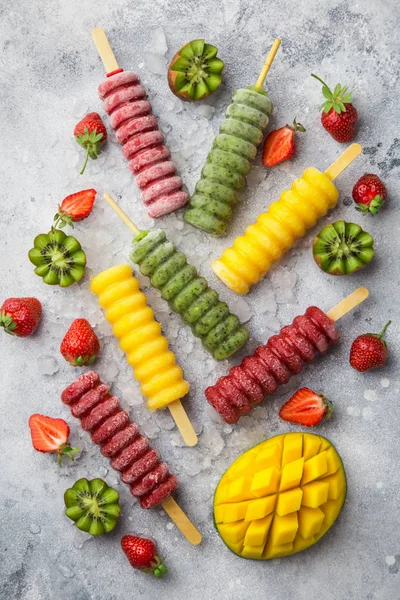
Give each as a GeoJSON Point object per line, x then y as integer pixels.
{"type": "Point", "coordinates": [306, 408]}
{"type": "Point", "coordinates": [75, 207]}
{"type": "Point", "coordinates": [51, 435]}
{"type": "Point", "coordinates": [279, 144]}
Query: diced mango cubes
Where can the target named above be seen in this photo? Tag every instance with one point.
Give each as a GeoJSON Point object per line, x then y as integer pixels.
{"type": "Point", "coordinates": [280, 497]}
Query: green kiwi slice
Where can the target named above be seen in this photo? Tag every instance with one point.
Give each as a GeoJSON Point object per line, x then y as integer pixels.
{"type": "Point", "coordinates": [195, 71]}
{"type": "Point", "coordinates": [342, 248]}
{"type": "Point", "coordinates": [58, 258]}
{"type": "Point", "coordinates": [92, 505]}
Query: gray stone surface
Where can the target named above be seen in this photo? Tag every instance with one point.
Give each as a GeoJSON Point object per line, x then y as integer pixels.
{"type": "Point", "coordinates": [49, 74]}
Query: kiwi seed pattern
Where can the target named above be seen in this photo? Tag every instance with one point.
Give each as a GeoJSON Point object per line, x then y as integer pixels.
{"type": "Point", "coordinates": [92, 505]}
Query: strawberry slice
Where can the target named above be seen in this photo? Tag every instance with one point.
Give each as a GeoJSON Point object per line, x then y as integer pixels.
{"type": "Point", "coordinates": [306, 408]}
{"type": "Point", "coordinates": [279, 145]}
{"type": "Point", "coordinates": [75, 207]}
{"type": "Point", "coordinates": [51, 435]}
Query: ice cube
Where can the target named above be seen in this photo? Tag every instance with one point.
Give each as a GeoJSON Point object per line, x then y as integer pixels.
{"type": "Point", "coordinates": [205, 110]}
{"type": "Point", "coordinates": [367, 413]}
{"type": "Point", "coordinates": [370, 395]}
{"type": "Point", "coordinates": [79, 107]}
{"type": "Point", "coordinates": [255, 177]}
{"type": "Point", "coordinates": [284, 282]}
{"type": "Point", "coordinates": [155, 63]}
{"type": "Point", "coordinates": [35, 528]}
{"type": "Point", "coordinates": [110, 371]}
{"type": "Point", "coordinates": [47, 365]}
{"type": "Point", "coordinates": [268, 302]}
{"type": "Point", "coordinates": [67, 572]}
{"type": "Point", "coordinates": [240, 307]}
{"type": "Point", "coordinates": [159, 42]}
{"type": "Point", "coordinates": [150, 428]}
{"type": "Point", "coordinates": [176, 440]}
{"type": "Point", "coordinates": [385, 383]}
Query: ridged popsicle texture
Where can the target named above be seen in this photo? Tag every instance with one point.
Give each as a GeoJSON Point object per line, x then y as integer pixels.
{"type": "Point", "coordinates": [119, 439]}
{"type": "Point", "coordinates": [142, 143]}
{"type": "Point", "coordinates": [188, 294]}
{"type": "Point", "coordinates": [229, 161]}
{"type": "Point", "coordinates": [272, 364]}
{"type": "Point", "coordinates": [276, 231]}
{"type": "Point", "coordinates": [154, 365]}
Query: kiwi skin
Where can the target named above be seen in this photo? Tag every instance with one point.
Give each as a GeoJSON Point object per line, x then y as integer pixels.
{"type": "Point", "coordinates": [172, 75]}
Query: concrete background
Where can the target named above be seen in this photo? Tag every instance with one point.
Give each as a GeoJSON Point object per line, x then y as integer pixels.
{"type": "Point", "coordinates": [49, 74]}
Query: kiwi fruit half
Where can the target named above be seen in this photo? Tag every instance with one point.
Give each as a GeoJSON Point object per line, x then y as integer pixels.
{"type": "Point", "coordinates": [58, 258]}
{"type": "Point", "coordinates": [342, 248]}
{"type": "Point", "coordinates": [92, 505]}
{"type": "Point", "coordinates": [195, 71]}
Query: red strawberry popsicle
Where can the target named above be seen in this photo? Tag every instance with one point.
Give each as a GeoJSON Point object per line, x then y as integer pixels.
{"type": "Point", "coordinates": [142, 143]}
{"type": "Point", "coordinates": [119, 440]}
{"type": "Point", "coordinates": [272, 364]}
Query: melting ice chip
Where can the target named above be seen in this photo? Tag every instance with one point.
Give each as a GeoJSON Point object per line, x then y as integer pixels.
{"type": "Point", "coordinates": [370, 395]}
{"type": "Point", "coordinates": [47, 365]}
{"type": "Point", "coordinates": [242, 309]}
{"type": "Point", "coordinates": [155, 63]}
{"type": "Point", "coordinates": [159, 42]}
{"type": "Point", "coordinates": [205, 110]}
{"type": "Point", "coordinates": [284, 283]}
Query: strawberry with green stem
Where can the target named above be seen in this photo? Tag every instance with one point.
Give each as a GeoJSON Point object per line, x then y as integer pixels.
{"type": "Point", "coordinates": [280, 145]}
{"type": "Point", "coordinates": [369, 351]}
{"type": "Point", "coordinates": [51, 435]}
{"type": "Point", "coordinates": [339, 116]}
{"type": "Point", "coordinates": [91, 134]}
{"type": "Point", "coordinates": [142, 555]}
{"type": "Point", "coordinates": [20, 316]}
{"type": "Point", "coordinates": [369, 194]}
{"type": "Point", "coordinates": [75, 207]}
{"type": "Point", "coordinates": [306, 407]}
{"type": "Point", "coordinates": [80, 345]}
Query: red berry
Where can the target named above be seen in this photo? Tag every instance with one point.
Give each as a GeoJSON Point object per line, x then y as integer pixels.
{"type": "Point", "coordinates": [142, 555]}
{"type": "Point", "coordinates": [369, 193]}
{"type": "Point", "coordinates": [75, 207]}
{"type": "Point", "coordinates": [369, 351]}
{"type": "Point", "coordinates": [80, 345]}
{"type": "Point", "coordinates": [339, 116]}
{"type": "Point", "coordinates": [306, 408]}
{"type": "Point", "coordinates": [20, 316]}
{"type": "Point", "coordinates": [91, 134]}
{"type": "Point", "coordinates": [51, 435]}
{"type": "Point", "coordinates": [279, 145]}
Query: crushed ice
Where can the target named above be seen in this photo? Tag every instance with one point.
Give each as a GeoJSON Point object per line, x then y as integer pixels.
{"type": "Point", "coordinates": [47, 365]}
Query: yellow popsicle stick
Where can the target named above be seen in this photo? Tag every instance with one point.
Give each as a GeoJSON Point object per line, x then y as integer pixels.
{"type": "Point", "coordinates": [268, 62]}
{"type": "Point", "coordinates": [343, 161]}
{"type": "Point", "coordinates": [178, 413]}
{"type": "Point", "coordinates": [182, 522]}
{"type": "Point", "coordinates": [348, 303]}
{"type": "Point", "coordinates": [183, 423]}
{"type": "Point", "coordinates": [104, 49]}
{"type": "Point", "coordinates": [122, 215]}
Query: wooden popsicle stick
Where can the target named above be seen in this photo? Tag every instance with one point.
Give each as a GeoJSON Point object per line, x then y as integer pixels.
{"type": "Point", "coordinates": [183, 423]}
{"type": "Point", "coordinates": [122, 215]}
{"type": "Point", "coordinates": [348, 303]}
{"type": "Point", "coordinates": [268, 62]}
{"type": "Point", "coordinates": [178, 413]}
{"type": "Point", "coordinates": [182, 522]}
{"type": "Point", "coordinates": [343, 161]}
{"type": "Point", "coordinates": [104, 49]}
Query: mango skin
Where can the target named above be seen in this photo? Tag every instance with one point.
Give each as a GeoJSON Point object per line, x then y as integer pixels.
{"type": "Point", "coordinates": [315, 502]}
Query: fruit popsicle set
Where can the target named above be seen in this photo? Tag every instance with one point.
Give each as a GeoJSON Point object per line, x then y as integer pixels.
{"type": "Point", "coordinates": [139, 334]}
{"type": "Point", "coordinates": [284, 355]}
{"type": "Point", "coordinates": [130, 453]}
{"type": "Point", "coordinates": [139, 135]}
{"type": "Point", "coordinates": [285, 222]}
{"type": "Point", "coordinates": [280, 497]}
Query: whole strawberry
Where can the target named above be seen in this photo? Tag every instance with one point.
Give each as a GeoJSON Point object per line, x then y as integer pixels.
{"type": "Point", "coordinates": [339, 116]}
{"type": "Point", "coordinates": [20, 316]}
{"type": "Point", "coordinates": [369, 351]}
{"type": "Point", "coordinates": [75, 207]}
{"type": "Point", "coordinates": [91, 134]}
{"type": "Point", "coordinates": [369, 193]}
{"type": "Point", "coordinates": [306, 407]}
{"type": "Point", "coordinates": [80, 345]}
{"type": "Point", "coordinates": [142, 554]}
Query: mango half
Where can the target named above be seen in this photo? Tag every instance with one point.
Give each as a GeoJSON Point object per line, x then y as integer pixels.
{"type": "Point", "coordinates": [280, 497]}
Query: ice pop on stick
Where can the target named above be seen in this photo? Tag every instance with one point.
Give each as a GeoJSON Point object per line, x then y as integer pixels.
{"type": "Point", "coordinates": [137, 131]}
{"type": "Point", "coordinates": [154, 365]}
{"type": "Point", "coordinates": [187, 293]}
{"type": "Point", "coordinates": [277, 229]}
{"type": "Point", "coordinates": [129, 451]}
{"type": "Point", "coordinates": [229, 161]}
{"type": "Point", "coordinates": [284, 355]}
